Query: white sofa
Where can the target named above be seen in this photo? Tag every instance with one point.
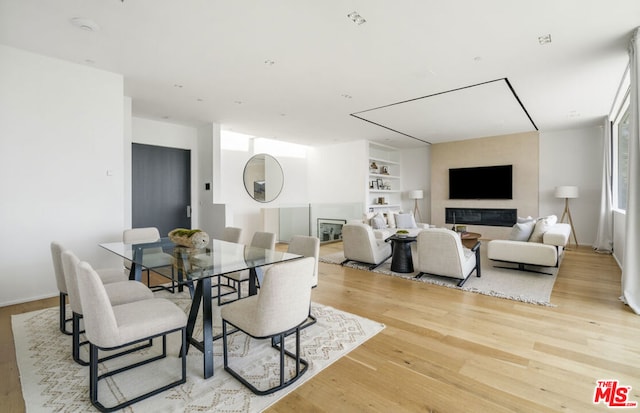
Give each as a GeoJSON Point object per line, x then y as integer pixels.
{"type": "Point", "coordinates": [546, 253]}
{"type": "Point", "coordinates": [390, 226]}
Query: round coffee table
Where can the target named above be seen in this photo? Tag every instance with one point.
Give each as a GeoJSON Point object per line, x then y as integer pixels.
{"type": "Point", "coordinates": [401, 260]}
{"type": "Point", "coordinates": [469, 239]}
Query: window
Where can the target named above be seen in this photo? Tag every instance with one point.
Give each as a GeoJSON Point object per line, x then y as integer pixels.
{"type": "Point", "coordinates": [621, 156]}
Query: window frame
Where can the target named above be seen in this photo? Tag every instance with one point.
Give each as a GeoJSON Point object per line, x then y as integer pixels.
{"type": "Point", "coordinates": [621, 114]}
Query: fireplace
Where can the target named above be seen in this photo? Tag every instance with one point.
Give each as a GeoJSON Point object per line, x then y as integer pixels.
{"type": "Point", "coordinates": [497, 217]}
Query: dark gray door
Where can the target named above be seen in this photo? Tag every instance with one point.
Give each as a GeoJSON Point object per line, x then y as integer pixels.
{"type": "Point", "coordinates": [161, 187]}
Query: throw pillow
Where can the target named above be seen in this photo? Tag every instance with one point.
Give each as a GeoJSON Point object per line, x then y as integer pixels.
{"type": "Point", "coordinates": [367, 217]}
{"type": "Point", "coordinates": [522, 231]}
{"type": "Point", "coordinates": [525, 219]}
{"type": "Point", "coordinates": [405, 221]}
{"type": "Point", "coordinates": [391, 219]}
{"type": "Point", "coordinates": [378, 222]}
{"type": "Point", "coordinates": [542, 226]}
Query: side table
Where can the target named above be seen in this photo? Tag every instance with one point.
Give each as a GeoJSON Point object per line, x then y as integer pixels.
{"type": "Point", "coordinates": [401, 260]}
{"type": "Point", "coordinates": [469, 239]}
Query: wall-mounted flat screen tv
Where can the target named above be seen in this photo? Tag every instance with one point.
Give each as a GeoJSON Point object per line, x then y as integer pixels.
{"type": "Point", "coordinates": [484, 182]}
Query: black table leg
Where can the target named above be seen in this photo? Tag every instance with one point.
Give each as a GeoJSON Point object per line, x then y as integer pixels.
{"type": "Point", "coordinates": [253, 285]}
{"type": "Point", "coordinates": [202, 294]}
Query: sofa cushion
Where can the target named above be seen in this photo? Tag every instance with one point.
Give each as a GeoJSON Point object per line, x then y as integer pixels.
{"type": "Point", "coordinates": [523, 252]}
{"type": "Point", "coordinates": [522, 231]}
{"type": "Point", "coordinates": [405, 221]}
{"type": "Point", "coordinates": [542, 226]}
{"type": "Point", "coordinates": [378, 222]}
{"type": "Point", "coordinates": [391, 219]}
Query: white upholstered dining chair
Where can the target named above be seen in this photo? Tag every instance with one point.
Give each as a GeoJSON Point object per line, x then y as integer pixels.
{"type": "Point", "coordinates": [107, 275]}
{"type": "Point", "coordinates": [278, 310]}
{"type": "Point", "coordinates": [153, 257]}
{"type": "Point", "coordinates": [110, 327]}
{"type": "Point", "coordinates": [120, 292]}
{"type": "Point", "coordinates": [265, 240]}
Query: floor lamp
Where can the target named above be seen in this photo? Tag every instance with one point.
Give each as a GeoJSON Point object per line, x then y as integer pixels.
{"type": "Point", "coordinates": [567, 192]}
{"type": "Point", "coordinates": [416, 194]}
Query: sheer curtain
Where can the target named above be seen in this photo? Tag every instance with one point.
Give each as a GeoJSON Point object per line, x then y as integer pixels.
{"type": "Point", "coordinates": [604, 237]}
{"type": "Point", "coordinates": [631, 262]}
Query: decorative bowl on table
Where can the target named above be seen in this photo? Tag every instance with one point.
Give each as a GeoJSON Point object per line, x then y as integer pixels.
{"type": "Point", "coordinates": [402, 233]}
{"type": "Point", "coordinates": [191, 238]}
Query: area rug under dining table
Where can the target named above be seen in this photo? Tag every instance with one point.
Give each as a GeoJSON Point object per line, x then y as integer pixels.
{"type": "Point", "coordinates": [509, 283]}
{"type": "Point", "coordinates": [53, 382]}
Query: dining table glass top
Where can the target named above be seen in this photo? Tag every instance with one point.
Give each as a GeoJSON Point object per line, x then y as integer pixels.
{"type": "Point", "coordinates": [217, 258]}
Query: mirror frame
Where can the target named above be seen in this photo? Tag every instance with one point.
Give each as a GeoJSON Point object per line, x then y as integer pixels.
{"type": "Point", "coordinates": [250, 191]}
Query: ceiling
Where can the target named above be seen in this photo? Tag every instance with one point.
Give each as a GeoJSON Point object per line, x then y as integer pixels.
{"type": "Point", "coordinates": [416, 72]}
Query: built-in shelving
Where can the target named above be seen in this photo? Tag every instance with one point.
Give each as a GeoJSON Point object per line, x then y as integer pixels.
{"type": "Point", "coordinates": [383, 179]}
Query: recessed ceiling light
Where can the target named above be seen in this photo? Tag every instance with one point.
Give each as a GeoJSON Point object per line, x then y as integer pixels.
{"type": "Point", "coordinates": [200, 100]}
{"type": "Point", "coordinates": [165, 116]}
{"type": "Point", "coordinates": [356, 18]}
{"type": "Point", "coordinates": [546, 39]}
{"type": "Point", "coordinates": [346, 96]}
{"type": "Point", "coordinates": [269, 62]}
{"type": "Point", "coordinates": [176, 85]}
{"type": "Point", "coordinates": [237, 102]}
{"type": "Point", "coordinates": [85, 24]}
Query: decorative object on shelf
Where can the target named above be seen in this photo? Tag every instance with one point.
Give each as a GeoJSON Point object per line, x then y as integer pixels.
{"type": "Point", "coordinates": [373, 168]}
{"type": "Point", "coordinates": [374, 185]}
{"type": "Point", "coordinates": [567, 192]}
{"type": "Point", "coordinates": [461, 228]}
{"type": "Point", "coordinates": [381, 200]}
{"type": "Point", "coordinates": [191, 238]}
{"type": "Point", "coordinates": [384, 170]}
{"type": "Point", "coordinates": [416, 194]}
{"type": "Point", "coordinates": [380, 183]}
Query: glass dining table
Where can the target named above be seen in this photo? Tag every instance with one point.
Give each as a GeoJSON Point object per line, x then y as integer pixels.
{"type": "Point", "coordinates": [197, 266]}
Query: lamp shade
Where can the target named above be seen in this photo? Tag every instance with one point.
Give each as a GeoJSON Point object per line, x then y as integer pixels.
{"type": "Point", "coordinates": [566, 192]}
{"type": "Point", "coordinates": [416, 194]}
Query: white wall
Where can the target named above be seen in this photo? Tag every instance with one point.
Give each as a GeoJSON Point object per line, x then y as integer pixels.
{"type": "Point", "coordinates": [416, 174]}
{"type": "Point", "coordinates": [242, 210]}
{"type": "Point", "coordinates": [61, 168]}
{"type": "Point", "coordinates": [572, 157]}
{"type": "Point", "coordinates": [338, 173]}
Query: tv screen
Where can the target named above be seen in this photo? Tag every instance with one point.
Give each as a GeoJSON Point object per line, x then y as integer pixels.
{"type": "Point", "coordinates": [485, 182]}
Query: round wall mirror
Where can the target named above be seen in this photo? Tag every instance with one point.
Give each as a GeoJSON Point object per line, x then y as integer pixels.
{"type": "Point", "coordinates": [263, 178]}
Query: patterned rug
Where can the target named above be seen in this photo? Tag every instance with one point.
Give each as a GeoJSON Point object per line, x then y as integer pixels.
{"type": "Point", "coordinates": [53, 382]}
{"type": "Point", "coordinates": [528, 287]}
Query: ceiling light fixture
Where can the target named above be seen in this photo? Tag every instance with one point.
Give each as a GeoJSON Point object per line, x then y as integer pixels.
{"type": "Point", "coordinates": [85, 24]}
{"type": "Point", "coordinates": [546, 39]}
{"type": "Point", "coordinates": [269, 62]}
{"type": "Point", "coordinates": [356, 18]}
{"type": "Point", "coordinates": [346, 96]}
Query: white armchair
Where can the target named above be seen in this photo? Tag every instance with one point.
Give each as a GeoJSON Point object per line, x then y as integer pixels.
{"type": "Point", "coordinates": [440, 252]}
{"type": "Point", "coordinates": [361, 245]}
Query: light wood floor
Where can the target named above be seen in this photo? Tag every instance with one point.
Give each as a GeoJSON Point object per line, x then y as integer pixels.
{"type": "Point", "coordinates": [445, 350]}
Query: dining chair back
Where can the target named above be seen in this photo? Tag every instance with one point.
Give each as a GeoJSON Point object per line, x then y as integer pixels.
{"type": "Point", "coordinates": [118, 293]}
{"type": "Point", "coordinates": [280, 309]}
{"type": "Point", "coordinates": [232, 234]}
